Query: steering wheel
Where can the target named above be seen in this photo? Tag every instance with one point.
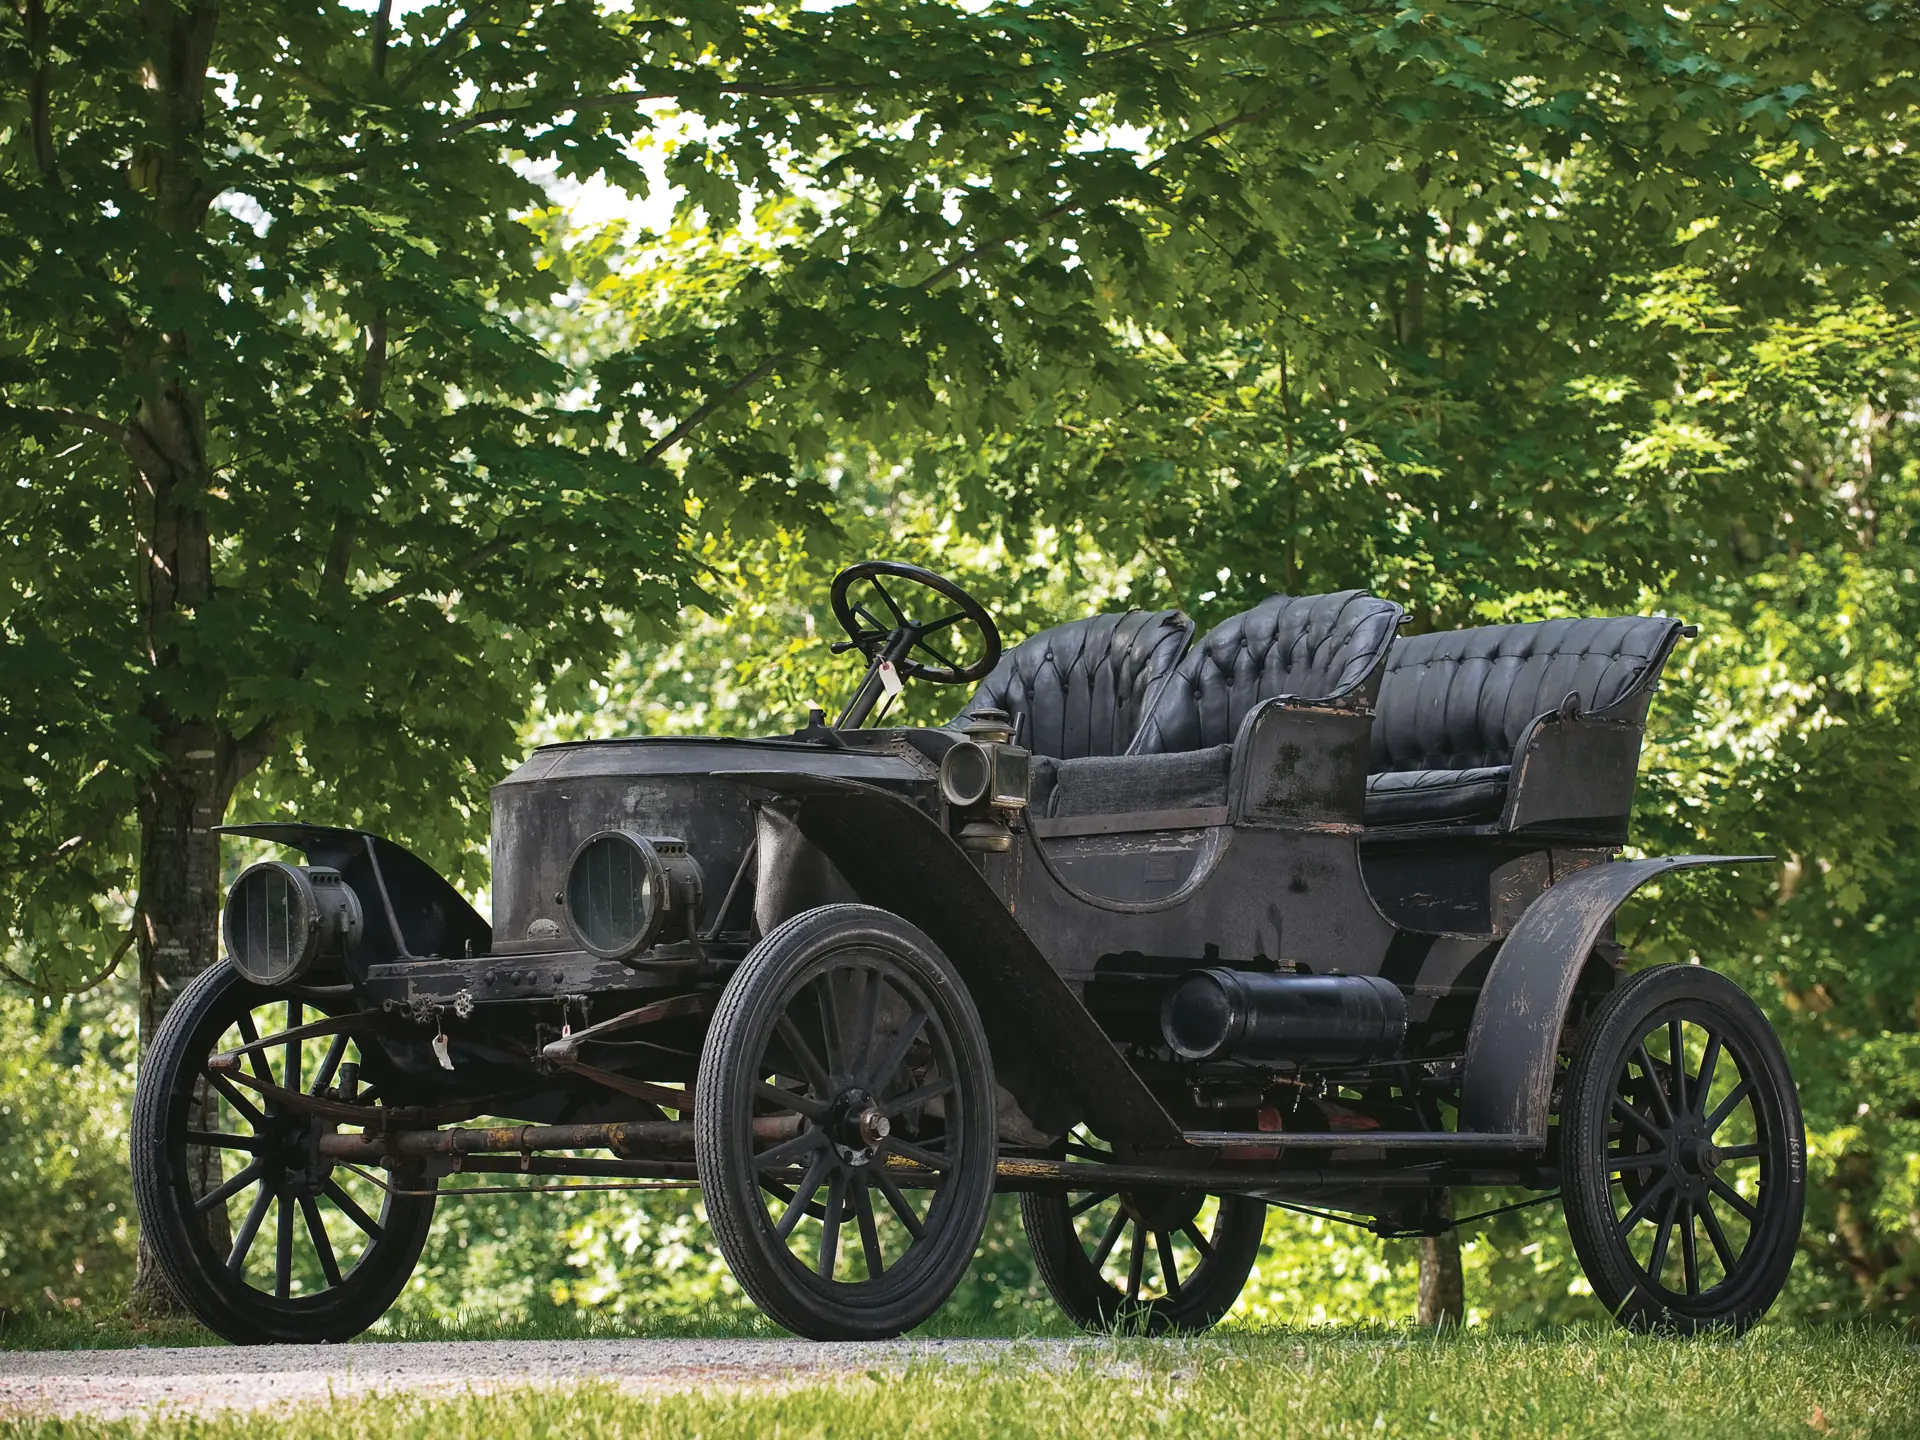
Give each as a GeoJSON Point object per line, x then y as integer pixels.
{"type": "Point", "coordinates": [879, 627]}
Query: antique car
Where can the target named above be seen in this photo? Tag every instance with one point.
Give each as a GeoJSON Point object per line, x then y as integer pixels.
{"type": "Point", "coordinates": [1156, 933]}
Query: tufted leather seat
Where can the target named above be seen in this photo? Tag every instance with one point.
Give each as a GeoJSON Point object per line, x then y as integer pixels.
{"type": "Point", "coordinates": [1080, 689]}
{"type": "Point", "coordinates": [1308, 647]}
{"type": "Point", "coordinates": [1454, 704]}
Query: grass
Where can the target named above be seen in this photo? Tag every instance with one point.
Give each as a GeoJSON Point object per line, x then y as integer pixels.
{"type": "Point", "coordinates": [1308, 1384]}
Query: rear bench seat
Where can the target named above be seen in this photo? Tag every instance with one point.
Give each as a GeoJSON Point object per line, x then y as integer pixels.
{"type": "Point", "coordinates": [1458, 710]}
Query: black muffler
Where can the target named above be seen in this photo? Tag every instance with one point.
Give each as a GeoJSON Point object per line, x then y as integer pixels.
{"type": "Point", "coordinates": [1244, 1015]}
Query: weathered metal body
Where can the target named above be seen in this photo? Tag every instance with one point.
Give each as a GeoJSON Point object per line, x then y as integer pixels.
{"type": "Point", "coordinates": [1069, 920]}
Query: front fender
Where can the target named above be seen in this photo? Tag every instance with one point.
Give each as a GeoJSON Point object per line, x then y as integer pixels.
{"type": "Point", "coordinates": [1507, 1084]}
{"type": "Point", "coordinates": [1047, 1049]}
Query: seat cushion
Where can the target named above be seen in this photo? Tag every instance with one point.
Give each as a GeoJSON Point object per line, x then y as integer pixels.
{"type": "Point", "coordinates": [1309, 647]}
{"type": "Point", "coordinates": [1424, 797]}
{"type": "Point", "coordinates": [1081, 688]}
{"type": "Point", "coordinates": [1128, 784]}
{"type": "Point", "coordinates": [1460, 699]}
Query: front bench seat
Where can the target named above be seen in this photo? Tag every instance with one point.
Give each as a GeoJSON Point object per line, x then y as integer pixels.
{"type": "Point", "coordinates": [1081, 688]}
{"type": "Point", "coordinates": [1317, 649]}
{"type": "Point", "coordinates": [1455, 704]}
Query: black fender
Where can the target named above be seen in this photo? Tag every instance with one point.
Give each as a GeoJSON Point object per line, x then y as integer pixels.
{"type": "Point", "coordinates": [1506, 1087]}
{"type": "Point", "coordinates": [1047, 1050]}
{"type": "Point", "coordinates": [411, 910]}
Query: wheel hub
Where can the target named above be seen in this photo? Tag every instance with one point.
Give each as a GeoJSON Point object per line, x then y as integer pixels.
{"type": "Point", "coordinates": [857, 1125]}
{"type": "Point", "coordinates": [1164, 1209]}
{"type": "Point", "coordinates": [1691, 1156]}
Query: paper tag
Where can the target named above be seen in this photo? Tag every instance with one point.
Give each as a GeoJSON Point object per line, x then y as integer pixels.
{"type": "Point", "coordinates": [440, 1051]}
{"type": "Point", "coordinates": [890, 680]}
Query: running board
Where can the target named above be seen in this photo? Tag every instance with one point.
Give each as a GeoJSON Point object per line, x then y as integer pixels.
{"type": "Point", "coordinates": [1450, 1140]}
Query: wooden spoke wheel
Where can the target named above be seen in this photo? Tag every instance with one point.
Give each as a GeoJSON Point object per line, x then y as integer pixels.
{"type": "Point", "coordinates": [844, 1125]}
{"type": "Point", "coordinates": [1682, 1154]}
{"type": "Point", "coordinates": [1158, 1261]}
{"type": "Point", "coordinates": [262, 1239]}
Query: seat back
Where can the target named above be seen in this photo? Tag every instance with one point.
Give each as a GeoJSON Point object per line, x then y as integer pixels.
{"type": "Point", "coordinates": [1308, 647]}
{"type": "Point", "coordinates": [1459, 699]}
{"type": "Point", "coordinates": [1081, 688]}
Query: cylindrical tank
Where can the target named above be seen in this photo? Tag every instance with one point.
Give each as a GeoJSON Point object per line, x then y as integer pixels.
{"type": "Point", "coordinates": [1245, 1015]}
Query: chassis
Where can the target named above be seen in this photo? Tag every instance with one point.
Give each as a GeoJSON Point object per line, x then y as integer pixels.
{"type": "Point", "coordinates": [1156, 934]}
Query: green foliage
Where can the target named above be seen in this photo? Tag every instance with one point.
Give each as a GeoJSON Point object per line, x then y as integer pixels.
{"type": "Point", "coordinates": [66, 1242]}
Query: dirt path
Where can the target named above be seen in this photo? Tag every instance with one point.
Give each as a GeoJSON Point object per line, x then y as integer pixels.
{"type": "Point", "coordinates": [112, 1383]}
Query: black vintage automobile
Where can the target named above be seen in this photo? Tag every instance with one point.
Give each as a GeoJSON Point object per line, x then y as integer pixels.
{"type": "Point", "coordinates": [1155, 933]}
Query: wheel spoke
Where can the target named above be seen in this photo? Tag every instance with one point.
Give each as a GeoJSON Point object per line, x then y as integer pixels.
{"type": "Point", "coordinates": [899, 1203]}
{"type": "Point", "coordinates": [1654, 1086]}
{"type": "Point", "coordinates": [219, 1141]}
{"type": "Point", "coordinates": [787, 1151]}
{"type": "Point", "coordinates": [249, 1228]}
{"type": "Point", "coordinates": [803, 1194]}
{"type": "Point", "coordinates": [791, 1100]}
{"type": "Point", "coordinates": [932, 1090]}
{"type": "Point", "coordinates": [317, 1231]}
{"type": "Point", "coordinates": [1200, 1242]}
{"type": "Point", "coordinates": [1743, 1152]}
{"type": "Point", "coordinates": [336, 1051]}
{"type": "Point", "coordinates": [1642, 1208]}
{"type": "Point", "coordinates": [1136, 1262]}
{"type": "Point", "coordinates": [1677, 1064]}
{"type": "Point", "coordinates": [1644, 1160]}
{"type": "Point", "coordinates": [283, 1249]}
{"type": "Point", "coordinates": [922, 644]}
{"type": "Point", "coordinates": [1703, 1083]}
{"type": "Point", "coordinates": [1087, 1202]}
{"type": "Point", "coordinates": [1726, 1107]}
{"type": "Point", "coordinates": [1169, 1272]}
{"type": "Point", "coordinates": [1624, 1109]}
{"type": "Point", "coordinates": [830, 1229]}
{"type": "Point", "coordinates": [869, 1233]}
{"type": "Point", "coordinates": [256, 1060]}
{"type": "Point", "coordinates": [898, 614]}
{"type": "Point", "coordinates": [292, 1047]}
{"type": "Point", "coordinates": [348, 1207]}
{"type": "Point", "coordinates": [228, 1188]}
{"type": "Point", "coordinates": [1111, 1238]}
{"type": "Point", "coordinates": [1718, 1236]}
{"type": "Point", "coordinates": [238, 1099]}
{"type": "Point", "coordinates": [875, 987]}
{"type": "Point", "coordinates": [942, 623]}
{"type": "Point", "coordinates": [827, 994]}
{"type": "Point", "coordinates": [919, 1155]}
{"type": "Point", "coordinates": [1689, 1248]}
{"type": "Point", "coordinates": [1087, 1152]}
{"type": "Point", "coordinates": [1657, 1261]}
{"type": "Point", "coordinates": [878, 1077]}
{"type": "Point", "coordinates": [1742, 1206]}
{"type": "Point", "coordinates": [810, 1067]}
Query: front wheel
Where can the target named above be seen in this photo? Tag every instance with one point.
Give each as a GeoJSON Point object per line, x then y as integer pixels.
{"type": "Point", "coordinates": [260, 1236]}
{"type": "Point", "coordinates": [1683, 1156]}
{"type": "Point", "coordinates": [844, 1125]}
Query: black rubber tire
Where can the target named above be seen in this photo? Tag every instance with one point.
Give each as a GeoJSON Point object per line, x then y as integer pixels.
{"type": "Point", "coordinates": [178, 1236]}
{"type": "Point", "coordinates": [1095, 1303]}
{"type": "Point", "coordinates": [789, 960]}
{"type": "Point", "coordinates": [1597, 1179]}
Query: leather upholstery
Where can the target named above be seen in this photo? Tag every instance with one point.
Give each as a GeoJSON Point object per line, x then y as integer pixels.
{"type": "Point", "coordinates": [1308, 647]}
{"type": "Point", "coordinates": [1081, 688]}
{"type": "Point", "coordinates": [1454, 704]}
{"type": "Point", "coordinates": [1425, 797]}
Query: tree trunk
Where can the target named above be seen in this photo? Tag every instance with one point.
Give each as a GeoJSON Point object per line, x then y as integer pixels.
{"type": "Point", "coordinates": [1443, 1299]}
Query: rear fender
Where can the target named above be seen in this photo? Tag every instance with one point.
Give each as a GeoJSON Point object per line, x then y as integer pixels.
{"type": "Point", "coordinates": [1047, 1050]}
{"type": "Point", "coordinates": [1507, 1084]}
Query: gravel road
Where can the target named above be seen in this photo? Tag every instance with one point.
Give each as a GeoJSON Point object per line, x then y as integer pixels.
{"type": "Point", "coordinates": [111, 1383]}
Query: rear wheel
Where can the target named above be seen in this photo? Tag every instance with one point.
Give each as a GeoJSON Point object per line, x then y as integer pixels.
{"type": "Point", "coordinates": [1160, 1261]}
{"type": "Point", "coordinates": [1683, 1154]}
{"type": "Point", "coordinates": [261, 1237]}
{"type": "Point", "coordinates": [844, 1125]}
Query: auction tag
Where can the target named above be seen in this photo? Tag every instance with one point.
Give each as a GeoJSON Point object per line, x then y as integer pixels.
{"type": "Point", "coordinates": [890, 680]}
{"type": "Point", "coordinates": [440, 1051]}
